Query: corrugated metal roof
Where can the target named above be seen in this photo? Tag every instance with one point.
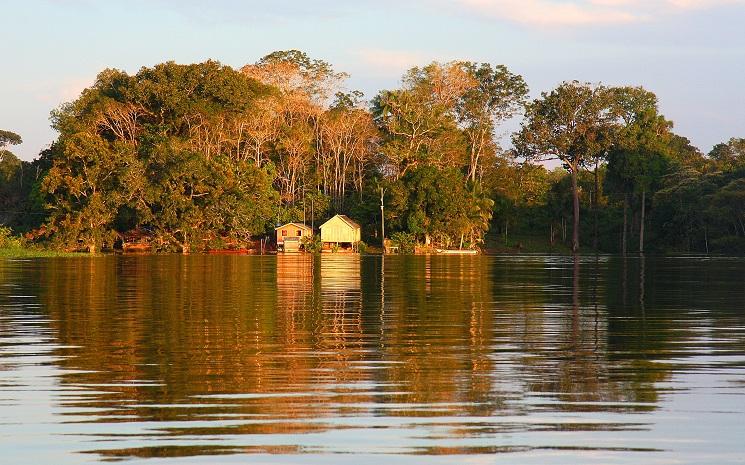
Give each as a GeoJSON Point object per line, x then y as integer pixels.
{"type": "Point", "coordinates": [299, 225]}
{"type": "Point", "coordinates": [349, 221]}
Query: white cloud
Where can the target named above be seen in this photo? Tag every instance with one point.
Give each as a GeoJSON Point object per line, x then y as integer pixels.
{"type": "Point", "coordinates": [392, 62]}
{"type": "Point", "coordinates": [546, 12]}
{"type": "Point", "coordinates": [55, 92]}
{"type": "Point", "coordinates": [71, 89]}
{"type": "Point", "coordinates": [586, 12]}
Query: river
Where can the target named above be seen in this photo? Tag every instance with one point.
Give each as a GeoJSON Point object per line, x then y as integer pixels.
{"type": "Point", "coordinates": [342, 359]}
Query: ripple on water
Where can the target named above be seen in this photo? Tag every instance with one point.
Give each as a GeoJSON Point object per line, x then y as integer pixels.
{"type": "Point", "coordinates": [339, 359]}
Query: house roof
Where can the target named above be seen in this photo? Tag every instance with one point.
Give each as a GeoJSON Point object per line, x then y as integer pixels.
{"type": "Point", "coordinates": [299, 225]}
{"type": "Point", "coordinates": [349, 221]}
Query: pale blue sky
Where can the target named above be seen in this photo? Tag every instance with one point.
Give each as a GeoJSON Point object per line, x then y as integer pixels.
{"type": "Point", "coordinates": [690, 52]}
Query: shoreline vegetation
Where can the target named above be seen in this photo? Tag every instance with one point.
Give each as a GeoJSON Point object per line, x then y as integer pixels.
{"type": "Point", "coordinates": [204, 157]}
{"type": "Point", "coordinates": [17, 247]}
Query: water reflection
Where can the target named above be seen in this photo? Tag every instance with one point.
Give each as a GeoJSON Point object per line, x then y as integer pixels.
{"type": "Point", "coordinates": [339, 354]}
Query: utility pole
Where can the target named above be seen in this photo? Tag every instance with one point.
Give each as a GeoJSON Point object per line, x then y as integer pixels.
{"type": "Point", "coordinates": [382, 218]}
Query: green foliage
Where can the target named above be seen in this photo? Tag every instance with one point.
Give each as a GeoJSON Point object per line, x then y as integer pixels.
{"type": "Point", "coordinates": [201, 156]}
{"type": "Point", "coordinates": [684, 155]}
{"type": "Point", "coordinates": [148, 148]}
{"type": "Point", "coordinates": [730, 155]}
{"type": "Point", "coordinates": [728, 245]}
{"type": "Point", "coordinates": [312, 244]}
{"type": "Point", "coordinates": [9, 138]}
{"type": "Point", "coordinates": [695, 212]}
{"type": "Point", "coordinates": [14, 246]}
{"type": "Point", "coordinates": [8, 240]}
{"type": "Point", "coordinates": [19, 204]}
{"type": "Point", "coordinates": [573, 123]}
{"type": "Point", "coordinates": [640, 153]}
{"type": "Point", "coordinates": [314, 207]}
{"type": "Point", "coordinates": [362, 247]}
{"type": "Point", "coordinates": [406, 242]}
{"type": "Point", "coordinates": [85, 187]}
{"type": "Point", "coordinates": [445, 115]}
{"type": "Point", "coordinates": [10, 165]}
{"type": "Point", "coordinates": [436, 204]}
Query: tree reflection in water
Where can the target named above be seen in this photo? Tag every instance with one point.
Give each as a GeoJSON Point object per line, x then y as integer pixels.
{"type": "Point", "coordinates": [206, 355]}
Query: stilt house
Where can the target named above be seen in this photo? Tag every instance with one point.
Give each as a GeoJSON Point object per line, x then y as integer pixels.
{"type": "Point", "coordinates": [290, 236]}
{"type": "Point", "coordinates": [340, 233]}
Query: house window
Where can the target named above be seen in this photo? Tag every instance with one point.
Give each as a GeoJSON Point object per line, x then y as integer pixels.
{"type": "Point", "coordinates": [284, 232]}
{"type": "Point", "coordinates": [299, 233]}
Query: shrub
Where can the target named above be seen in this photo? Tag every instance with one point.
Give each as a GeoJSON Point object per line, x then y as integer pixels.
{"type": "Point", "coordinates": [312, 244]}
{"type": "Point", "coordinates": [728, 244]}
{"type": "Point", "coordinates": [8, 240]}
{"type": "Point", "coordinates": [406, 242]}
{"type": "Point", "coordinates": [362, 247]}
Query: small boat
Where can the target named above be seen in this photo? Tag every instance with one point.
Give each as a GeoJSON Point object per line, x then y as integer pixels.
{"type": "Point", "coordinates": [457, 251]}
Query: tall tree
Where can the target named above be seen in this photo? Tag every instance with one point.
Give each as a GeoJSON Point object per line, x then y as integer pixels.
{"type": "Point", "coordinates": [314, 141]}
{"type": "Point", "coordinates": [9, 163]}
{"type": "Point", "coordinates": [638, 158]}
{"type": "Point", "coordinates": [729, 155]}
{"type": "Point", "coordinates": [9, 138]}
{"type": "Point", "coordinates": [85, 188]}
{"type": "Point", "coordinates": [11, 178]}
{"type": "Point", "coordinates": [569, 124]}
{"type": "Point", "coordinates": [495, 96]}
{"type": "Point", "coordinates": [418, 121]}
{"type": "Point", "coordinates": [348, 140]}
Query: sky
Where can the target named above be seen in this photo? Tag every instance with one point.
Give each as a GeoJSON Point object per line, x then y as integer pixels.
{"type": "Point", "coordinates": [691, 53]}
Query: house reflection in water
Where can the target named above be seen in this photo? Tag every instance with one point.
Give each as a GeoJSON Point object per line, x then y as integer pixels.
{"type": "Point", "coordinates": [340, 275]}
{"type": "Point", "coordinates": [343, 334]}
{"type": "Point", "coordinates": [294, 281]}
{"type": "Point", "coordinates": [320, 299]}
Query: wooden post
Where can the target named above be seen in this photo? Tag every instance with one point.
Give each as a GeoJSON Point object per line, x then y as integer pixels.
{"type": "Point", "coordinates": [382, 218]}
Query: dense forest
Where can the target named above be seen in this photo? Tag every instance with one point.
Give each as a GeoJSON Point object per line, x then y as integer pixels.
{"type": "Point", "coordinates": [205, 156]}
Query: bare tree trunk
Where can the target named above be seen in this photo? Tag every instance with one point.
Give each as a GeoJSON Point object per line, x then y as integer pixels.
{"type": "Point", "coordinates": [595, 199]}
{"type": "Point", "coordinates": [563, 229]}
{"type": "Point", "coordinates": [575, 202]}
{"type": "Point", "coordinates": [641, 225]}
{"type": "Point", "coordinates": [625, 223]}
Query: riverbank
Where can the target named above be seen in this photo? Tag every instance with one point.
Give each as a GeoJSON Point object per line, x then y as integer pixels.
{"type": "Point", "coordinates": [16, 246]}
{"type": "Point", "coordinates": [26, 252]}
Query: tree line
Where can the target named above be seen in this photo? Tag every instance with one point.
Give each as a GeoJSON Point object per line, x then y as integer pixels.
{"type": "Point", "coordinates": [206, 156]}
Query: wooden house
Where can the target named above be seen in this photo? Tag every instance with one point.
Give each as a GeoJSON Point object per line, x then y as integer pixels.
{"type": "Point", "coordinates": [290, 236]}
{"type": "Point", "coordinates": [340, 233]}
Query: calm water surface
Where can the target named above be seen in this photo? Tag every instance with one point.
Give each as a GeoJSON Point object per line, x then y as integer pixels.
{"type": "Point", "coordinates": [370, 360]}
